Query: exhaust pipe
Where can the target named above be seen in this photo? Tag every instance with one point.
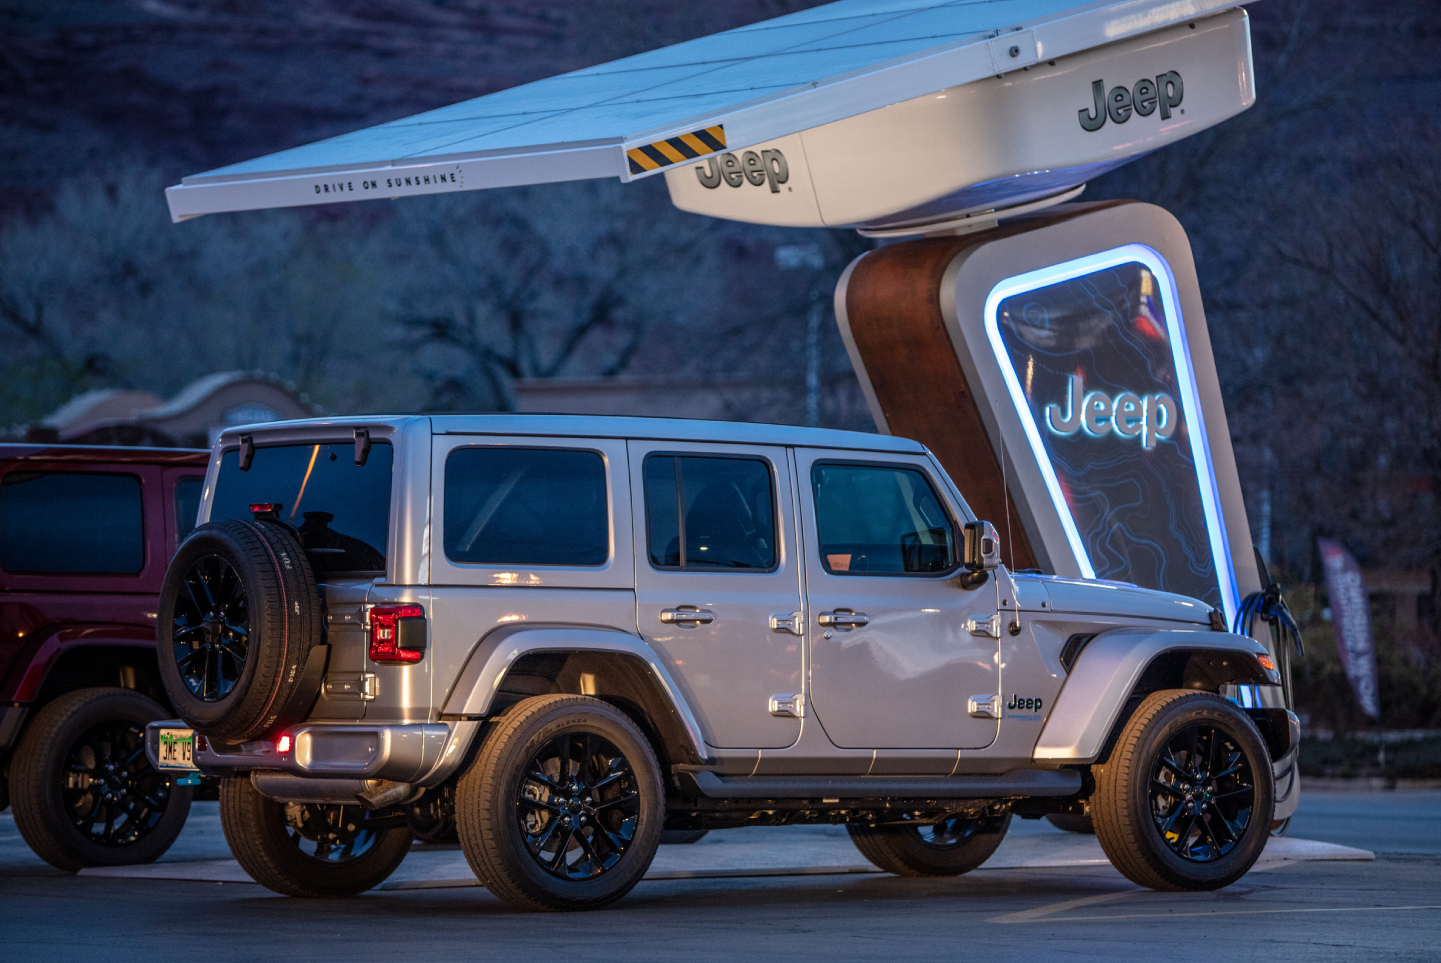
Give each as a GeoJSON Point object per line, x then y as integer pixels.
{"type": "Point", "coordinates": [383, 793]}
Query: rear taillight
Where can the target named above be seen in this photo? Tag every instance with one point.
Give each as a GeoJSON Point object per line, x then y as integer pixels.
{"type": "Point", "coordinates": [397, 634]}
{"type": "Point", "coordinates": [201, 743]}
{"type": "Point", "coordinates": [284, 744]}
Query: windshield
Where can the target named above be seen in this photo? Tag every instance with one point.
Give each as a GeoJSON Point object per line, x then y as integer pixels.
{"type": "Point", "coordinates": [341, 509]}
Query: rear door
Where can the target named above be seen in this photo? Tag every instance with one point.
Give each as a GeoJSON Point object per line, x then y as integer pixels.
{"type": "Point", "coordinates": [718, 584]}
{"type": "Point", "coordinates": [895, 658]}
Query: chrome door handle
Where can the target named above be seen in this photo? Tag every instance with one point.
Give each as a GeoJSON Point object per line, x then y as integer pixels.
{"type": "Point", "coordinates": [842, 619]}
{"type": "Point", "coordinates": [686, 616]}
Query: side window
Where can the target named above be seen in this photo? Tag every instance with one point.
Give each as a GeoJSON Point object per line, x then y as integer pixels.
{"type": "Point", "coordinates": [71, 523]}
{"type": "Point", "coordinates": [710, 513]}
{"type": "Point", "coordinates": [880, 520]}
{"type": "Point", "coordinates": [526, 506]}
{"type": "Point", "coordinates": [187, 504]}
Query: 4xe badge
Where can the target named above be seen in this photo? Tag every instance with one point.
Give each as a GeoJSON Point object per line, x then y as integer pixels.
{"type": "Point", "coordinates": [1165, 92]}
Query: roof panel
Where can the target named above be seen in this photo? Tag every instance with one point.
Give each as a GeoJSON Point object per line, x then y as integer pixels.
{"type": "Point", "coordinates": [758, 82]}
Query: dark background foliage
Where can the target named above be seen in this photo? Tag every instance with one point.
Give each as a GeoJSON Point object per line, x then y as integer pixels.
{"type": "Point", "coordinates": [1315, 219]}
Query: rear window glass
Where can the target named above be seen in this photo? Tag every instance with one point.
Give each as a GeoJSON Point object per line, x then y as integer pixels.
{"type": "Point", "coordinates": [71, 523]}
{"type": "Point", "coordinates": [187, 505]}
{"type": "Point", "coordinates": [341, 509]}
{"type": "Point", "coordinates": [526, 506]}
{"type": "Point", "coordinates": [875, 520]}
{"type": "Point", "coordinates": [710, 513]}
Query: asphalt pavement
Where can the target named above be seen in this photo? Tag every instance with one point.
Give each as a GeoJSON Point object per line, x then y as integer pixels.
{"type": "Point", "coordinates": [1060, 904]}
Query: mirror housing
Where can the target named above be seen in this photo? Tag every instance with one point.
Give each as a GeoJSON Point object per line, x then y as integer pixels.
{"type": "Point", "coordinates": [983, 547]}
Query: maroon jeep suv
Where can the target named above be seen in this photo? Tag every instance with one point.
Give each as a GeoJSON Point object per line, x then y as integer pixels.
{"type": "Point", "coordinates": [85, 535]}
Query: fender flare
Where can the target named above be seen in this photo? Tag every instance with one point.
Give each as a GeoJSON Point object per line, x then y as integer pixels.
{"type": "Point", "coordinates": [486, 667]}
{"type": "Point", "coordinates": [1107, 671]}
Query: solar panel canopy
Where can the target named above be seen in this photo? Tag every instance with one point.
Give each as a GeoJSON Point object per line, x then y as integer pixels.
{"type": "Point", "coordinates": [655, 111]}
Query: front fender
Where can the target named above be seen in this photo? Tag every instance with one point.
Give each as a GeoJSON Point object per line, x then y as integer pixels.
{"type": "Point", "coordinates": [1110, 666]}
{"type": "Point", "coordinates": [492, 658]}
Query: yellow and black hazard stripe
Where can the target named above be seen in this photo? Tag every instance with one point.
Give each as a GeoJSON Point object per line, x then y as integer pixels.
{"type": "Point", "coordinates": [677, 150]}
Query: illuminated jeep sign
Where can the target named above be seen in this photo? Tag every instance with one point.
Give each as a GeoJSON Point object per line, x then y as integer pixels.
{"type": "Point", "coordinates": [1152, 417]}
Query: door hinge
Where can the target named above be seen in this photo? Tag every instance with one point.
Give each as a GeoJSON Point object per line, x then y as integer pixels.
{"type": "Point", "coordinates": [790, 704]}
{"type": "Point", "coordinates": [985, 706]}
{"type": "Point", "coordinates": [791, 622]}
{"type": "Point", "coordinates": [990, 626]}
{"type": "Point", "coordinates": [364, 686]}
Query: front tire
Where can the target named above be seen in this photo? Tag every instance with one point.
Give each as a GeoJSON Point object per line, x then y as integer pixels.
{"type": "Point", "coordinates": [304, 849]}
{"type": "Point", "coordinates": [1186, 800]}
{"type": "Point", "coordinates": [949, 847]}
{"type": "Point", "coordinates": [563, 807]}
{"type": "Point", "coordinates": [84, 792]}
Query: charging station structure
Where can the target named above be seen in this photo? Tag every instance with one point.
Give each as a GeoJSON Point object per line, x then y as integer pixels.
{"type": "Point", "coordinates": [1053, 353]}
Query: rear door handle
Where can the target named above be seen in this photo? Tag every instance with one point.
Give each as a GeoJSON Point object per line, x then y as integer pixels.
{"type": "Point", "coordinates": [686, 615]}
{"type": "Point", "coordinates": [843, 619]}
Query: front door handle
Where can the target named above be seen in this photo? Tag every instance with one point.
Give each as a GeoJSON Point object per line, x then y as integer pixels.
{"type": "Point", "coordinates": [686, 615]}
{"type": "Point", "coordinates": [843, 619]}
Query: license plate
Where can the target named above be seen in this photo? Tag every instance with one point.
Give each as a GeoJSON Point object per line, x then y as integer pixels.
{"type": "Point", "coordinates": [177, 749]}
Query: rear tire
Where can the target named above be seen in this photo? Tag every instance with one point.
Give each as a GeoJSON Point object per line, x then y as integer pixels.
{"type": "Point", "coordinates": [947, 848]}
{"type": "Point", "coordinates": [563, 807]}
{"type": "Point", "coordinates": [301, 849]}
{"type": "Point", "coordinates": [1186, 799]}
{"type": "Point", "coordinates": [1073, 822]}
{"type": "Point", "coordinates": [85, 792]}
{"type": "Point", "coordinates": [239, 614]}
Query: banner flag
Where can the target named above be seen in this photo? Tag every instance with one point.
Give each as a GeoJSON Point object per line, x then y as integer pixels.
{"type": "Point", "coordinates": [1351, 615]}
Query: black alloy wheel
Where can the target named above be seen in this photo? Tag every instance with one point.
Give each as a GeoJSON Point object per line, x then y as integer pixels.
{"type": "Point", "coordinates": [563, 806]}
{"type": "Point", "coordinates": [947, 846]}
{"type": "Point", "coordinates": [110, 791]}
{"type": "Point", "coordinates": [950, 831]}
{"type": "Point", "coordinates": [85, 792]}
{"type": "Point", "coordinates": [309, 849]}
{"type": "Point", "coordinates": [1186, 797]}
{"type": "Point", "coordinates": [1202, 793]}
{"type": "Point", "coordinates": [578, 806]}
{"type": "Point", "coordinates": [333, 834]}
{"type": "Point", "coordinates": [212, 628]}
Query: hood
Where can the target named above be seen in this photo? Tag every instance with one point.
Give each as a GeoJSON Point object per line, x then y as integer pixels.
{"type": "Point", "coordinates": [1101, 597]}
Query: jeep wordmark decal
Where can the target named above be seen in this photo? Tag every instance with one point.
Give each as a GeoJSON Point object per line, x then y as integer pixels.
{"type": "Point", "coordinates": [769, 166]}
{"type": "Point", "coordinates": [1165, 92]}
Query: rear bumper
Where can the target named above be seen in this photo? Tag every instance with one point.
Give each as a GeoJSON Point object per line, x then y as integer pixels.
{"type": "Point", "coordinates": [403, 753]}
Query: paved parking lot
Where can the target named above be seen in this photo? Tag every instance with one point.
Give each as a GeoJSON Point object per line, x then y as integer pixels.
{"type": "Point", "coordinates": [1069, 907]}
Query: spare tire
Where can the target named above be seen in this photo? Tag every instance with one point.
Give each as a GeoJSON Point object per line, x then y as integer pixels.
{"type": "Point", "coordinates": [238, 623]}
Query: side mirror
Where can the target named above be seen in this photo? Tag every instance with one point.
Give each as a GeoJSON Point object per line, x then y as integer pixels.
{"type": "Point", "coordinates": [983, 547]}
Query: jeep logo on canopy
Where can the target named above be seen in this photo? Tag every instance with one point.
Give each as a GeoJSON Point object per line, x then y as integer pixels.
{"type": "Point", "coordinates": [769, 166]}
{"type": "Point", "coordinates": [1166, 92]}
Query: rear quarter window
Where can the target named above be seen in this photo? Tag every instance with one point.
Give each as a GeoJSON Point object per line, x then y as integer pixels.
{"type": "Point", "coordinates": [526, 506]}
{"type": "Point", "coordinates": [341, 509]}
{"type": "Point", "coordinates": [71, 523]}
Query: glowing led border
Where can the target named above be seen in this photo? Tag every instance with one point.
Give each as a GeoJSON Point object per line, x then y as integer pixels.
{"type": "Point", "coordinates": [1186, 376]}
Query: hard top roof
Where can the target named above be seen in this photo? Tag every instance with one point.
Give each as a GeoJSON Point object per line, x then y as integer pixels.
{"type": "Point", "coordinates": [102, 454]}
{"type": "Point", "coordinates": [594, 426]}
{"type": "Point", "coordinates": [643, 114]}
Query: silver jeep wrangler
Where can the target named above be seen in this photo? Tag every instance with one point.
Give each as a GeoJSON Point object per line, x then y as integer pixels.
{"type": "Point", "coordinates": [559, 636]}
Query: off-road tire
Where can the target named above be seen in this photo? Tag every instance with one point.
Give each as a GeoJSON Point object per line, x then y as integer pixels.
{"type": "Point", "coordinates": [1081, 823]}
{"type": "Point", "coordinates": [904, 851]}
{"type": "Point", "coordinates": [681, 837]}
{"type": "Point", "coordinates": [1122, 805]}
{"type": "Point", "coordinates": [284, 624]}
{"type": "Point", "coordinates": [488, 804]}
{"type": "Point", "coordinates": [257, 831]}
{"type": "Point", "coordinates": [43, 765]}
